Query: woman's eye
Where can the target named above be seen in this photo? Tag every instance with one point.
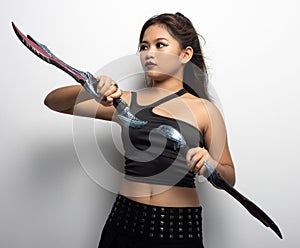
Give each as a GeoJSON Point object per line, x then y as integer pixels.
{"type": "Point", "coordinates": [143, 48]}
{"type": "Point", "coordinates": [157, 45]}
{"type": "Point", "coordinates": [160, 45]}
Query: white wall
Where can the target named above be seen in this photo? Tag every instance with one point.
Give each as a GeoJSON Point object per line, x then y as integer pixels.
{"type": "Point", "coordinates": [53, 192]}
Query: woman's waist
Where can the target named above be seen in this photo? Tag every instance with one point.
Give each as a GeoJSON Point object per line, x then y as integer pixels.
{"type": "Point", "coordinates": [138, 220]}
{"type": "Point", "coordinates": [160, 195]}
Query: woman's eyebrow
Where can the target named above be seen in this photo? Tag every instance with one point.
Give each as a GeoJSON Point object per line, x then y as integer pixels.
{"type": "Point", "coordinates": [158, 39]}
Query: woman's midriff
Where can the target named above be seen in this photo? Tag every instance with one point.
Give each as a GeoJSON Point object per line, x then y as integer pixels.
{"type": "Point", "coordinates": [160, 195]}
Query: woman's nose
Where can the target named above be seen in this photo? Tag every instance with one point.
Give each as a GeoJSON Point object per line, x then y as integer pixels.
{"type": "Point", "coordinates": [149, 55]}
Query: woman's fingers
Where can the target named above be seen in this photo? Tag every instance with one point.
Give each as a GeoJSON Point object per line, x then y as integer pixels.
{"type": "Point", "coordinates": [105, 84]}
{"type": "Point", "coordinates": [108, 90]}
{"type": "Point", "coordinates": [110, 95]}
{"type": "Point", "coordinates": [195, 159]}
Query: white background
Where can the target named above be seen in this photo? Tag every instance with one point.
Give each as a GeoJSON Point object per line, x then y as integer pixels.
{"type": "Point", "coordinates": [50, 198]}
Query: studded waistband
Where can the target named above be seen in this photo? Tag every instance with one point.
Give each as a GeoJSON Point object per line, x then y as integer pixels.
{"type": "Point", "coordinates": [155, 221]}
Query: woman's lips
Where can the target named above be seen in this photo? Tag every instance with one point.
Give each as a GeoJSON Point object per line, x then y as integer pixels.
{"type": "Point", "coordinates": [150, 65]}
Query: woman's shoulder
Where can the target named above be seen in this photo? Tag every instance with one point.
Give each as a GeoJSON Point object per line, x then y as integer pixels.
{"type": "Point", "coordinates": [204, 110]}
{"type": "Point", "coordinates": [200, 104]}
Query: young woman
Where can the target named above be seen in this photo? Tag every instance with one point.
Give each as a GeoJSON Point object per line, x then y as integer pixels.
{"type": "Point", "coordinates": [158, 205]}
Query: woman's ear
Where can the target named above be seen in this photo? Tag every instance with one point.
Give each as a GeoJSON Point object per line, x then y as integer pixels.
{"type": "Point", "coordinates": [187, 54]}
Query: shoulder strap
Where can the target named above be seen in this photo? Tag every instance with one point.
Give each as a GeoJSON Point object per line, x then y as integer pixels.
{"type": "Point", "coordinates": [169, 97]}
{"type": "Point", "coordinates": [133, 102]}
{"type": "Point", "coordinates": [134, 107]}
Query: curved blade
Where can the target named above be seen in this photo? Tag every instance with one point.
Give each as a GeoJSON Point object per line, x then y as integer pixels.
{"type": "Point", "coordinates": [86, 79]}
{"type": "Point", "coordinates": [217, 180]}
{"type": "Point", "coordinates": [45, 54]}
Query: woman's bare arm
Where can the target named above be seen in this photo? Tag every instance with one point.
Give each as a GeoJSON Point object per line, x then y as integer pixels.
{"type": "Point", "coordinates": [216, 151]}
{"type": "Point", "coordinates": [75, 100]}
{"type": "Point", "coordinates": [216, 141]}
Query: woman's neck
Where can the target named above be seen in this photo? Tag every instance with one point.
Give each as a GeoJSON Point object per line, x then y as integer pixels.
{"type": "Point", "coordinates": [172, 84]}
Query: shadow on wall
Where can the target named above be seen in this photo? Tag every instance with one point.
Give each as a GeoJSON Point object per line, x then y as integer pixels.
{"type": "Point", "coordinates": [217, 216]}
{"type": "Point", "coordinates": [58, 199]}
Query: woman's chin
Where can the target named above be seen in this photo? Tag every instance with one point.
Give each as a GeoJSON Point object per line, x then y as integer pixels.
{"type": "Point", "coordinates": [156, 76]}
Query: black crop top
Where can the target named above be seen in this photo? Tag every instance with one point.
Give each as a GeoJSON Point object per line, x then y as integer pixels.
{"type": "Point", "coordinates": [149, 156]}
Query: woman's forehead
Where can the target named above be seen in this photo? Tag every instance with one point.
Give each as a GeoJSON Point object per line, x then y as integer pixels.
{"type": "Point", "coordinates": [157, 31]}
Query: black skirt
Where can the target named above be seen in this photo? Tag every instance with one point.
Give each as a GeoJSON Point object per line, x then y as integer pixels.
{"type": "Point", "coordinates": [131, 224]}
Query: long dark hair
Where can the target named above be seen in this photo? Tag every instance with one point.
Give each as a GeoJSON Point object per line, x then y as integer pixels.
{"type": "Point", "coordinates": [195, 78]}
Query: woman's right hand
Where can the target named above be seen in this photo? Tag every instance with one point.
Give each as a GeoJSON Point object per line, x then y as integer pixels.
{"type": "Point", "coordinates": [108, 90]}
{"type": "Point", "coordinates": [75, 100]}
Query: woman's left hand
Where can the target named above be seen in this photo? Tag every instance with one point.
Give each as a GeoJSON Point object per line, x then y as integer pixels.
{"type": "Point", "coordinates": [196, 157]}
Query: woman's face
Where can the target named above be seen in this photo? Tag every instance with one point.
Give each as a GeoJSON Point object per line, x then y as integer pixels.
{"type": "Point", "coordinates": [160, 54]}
